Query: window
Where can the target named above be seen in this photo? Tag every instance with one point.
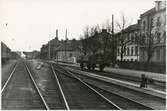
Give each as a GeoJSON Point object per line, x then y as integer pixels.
{"type": "Point", "coordinates": [152, 23]}
{"type": "Point", "coordinates": [136, 37]}
{"type": "Point", "coordinates": [129, 37]}
{"type": "Point", "coordinates": [158, 55]}
{"type": "Point", "coordinates": [70, 55]}
{"type": "Point", "coordinates": [132, 38]}
{"type": "Point", "coordinates": [158, 21]}
{"type": "Point", "coordinates": [118, 52]}
{"type": "Point", "coordinates": [158, 37]}
{"type": "Point", "coordinates": [127, 50]}
{"type": "Point", "coordinates": [132, 50]}
{"type": "Point", "coordinates": [136, 50]}
{"type": "Point", "coordinates": [144, 25]}
{"type": "Point", "coordinates": [159, 5]}
{"type": "Point", "coordinates": [164, 54]}
{"type": "Point", "coordinates": [143, 39]}
{"type": "Point", "coordinates": [164, 36]}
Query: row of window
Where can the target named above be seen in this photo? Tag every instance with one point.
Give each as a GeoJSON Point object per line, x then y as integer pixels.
{"type": "Point", "coordinates": [159, 38]}
{"type": "Point", "coordinates": [131, 37]}
{"type": "Point", "coordinates": [158, 55]}
{"type": "Point", "coordinates": [158, 23]}
{"type": "Point", "coordinates": [129, 51]}
{"type": "Point", "coordinates": [129, 60]}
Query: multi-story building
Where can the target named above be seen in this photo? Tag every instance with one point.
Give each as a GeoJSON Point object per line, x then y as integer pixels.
{"type": "Point", "coordinates": [130, 45]}
{"type": "Point", "coordinates": [48, 51]}
{"type": "Point", "coordinates": [153, 33]}
{"type": "Point", "coordinates": [68, 51]}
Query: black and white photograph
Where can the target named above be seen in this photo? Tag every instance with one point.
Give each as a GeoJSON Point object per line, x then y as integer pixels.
{"type": "Point", "coordinates": [83, 54]}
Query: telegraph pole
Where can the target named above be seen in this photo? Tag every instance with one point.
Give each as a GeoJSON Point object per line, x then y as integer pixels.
{"type": "Point", "coordinates": [49, 44]}
{"type": "Point", "coordinates": [56, 50]}
{"type": "Point", "coordinates": [65, 44]}
{"type": "Point", "coordinates": [114, 51]}
{"type": "Point", "coordinates": [49, 47]}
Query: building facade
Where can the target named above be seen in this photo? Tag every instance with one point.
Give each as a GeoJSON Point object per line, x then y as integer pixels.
{"type": "Point", "coordinates": [68, 51]}
{"type": "Point", "coordinates": [153, 33]}
{"type": "Point", "coordinates": [48, 51]}
{"type": "Point", "coordinates": [130, 45]}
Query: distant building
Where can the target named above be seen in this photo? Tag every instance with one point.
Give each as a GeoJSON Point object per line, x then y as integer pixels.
{"type": "Point", "coordinates": [32, 55]}
{"type": "Point", "coordinates": [152, 21]}
{"type": "Point", "coordinates": [131, 47]}
{"type": "Point", "coordinates": [68, 51]}
{"type": "Point", "coordinates": [15, 55]}
{"type": "Point", "coordinates": [5, 52]}
{"type": "Point", "coordinates": [48, 51]}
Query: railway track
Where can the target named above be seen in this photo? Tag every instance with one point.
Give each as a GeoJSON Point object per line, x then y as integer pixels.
{"type": "Point", "coordinates": [20, 91]}
{"type": "Point", "coordinates": [80, 95]}
{"type": "Point", "coordinates": [122, 94]}
{"type": "Point", "coordinates": [7, 78]}
{"type": "Point", "coordinates": [135, 80]}
{"type": "Point", "coordinates": [51, 92]}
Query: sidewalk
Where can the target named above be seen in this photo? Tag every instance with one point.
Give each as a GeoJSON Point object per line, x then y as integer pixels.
{"type": "Point", "coordinates": [155, 76]}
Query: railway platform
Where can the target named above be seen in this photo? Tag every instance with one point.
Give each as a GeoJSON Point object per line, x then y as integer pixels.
{"type": "Point", "coordinates": [126, 72]}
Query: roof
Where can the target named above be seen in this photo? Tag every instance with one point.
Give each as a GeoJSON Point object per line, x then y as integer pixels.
{"type": "Point", "coordinates": [131, 27]}
{"type": "Point", "coordinates": [69, 46]}
{"type": "Point", "coordinates": [149, 12]}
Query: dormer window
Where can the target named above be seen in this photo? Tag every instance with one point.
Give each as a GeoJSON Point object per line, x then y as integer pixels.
{"type": "Point", "coordinates": [144, 25]}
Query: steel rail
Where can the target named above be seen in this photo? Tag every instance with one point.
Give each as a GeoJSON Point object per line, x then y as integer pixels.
{"type": "Point", "coordinates": [106, 99]}
{"type": "Point", "coordinates": [118, 94]}
{"type": "Point", "coordinates": [43, 100]}
{"type": "Point", "coordinates": [4, 86]}
{"type": "Point", "coordinates": [64, 98]}
{"type": "Point", "coordinates": [123, 97]}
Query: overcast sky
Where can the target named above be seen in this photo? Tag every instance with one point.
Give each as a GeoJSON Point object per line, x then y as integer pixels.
{"type": "Point", "coordinates": [29, 22]}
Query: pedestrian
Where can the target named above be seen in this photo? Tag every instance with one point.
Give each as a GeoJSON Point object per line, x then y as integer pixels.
{"type": "Point", "coordinates": [143, 81]}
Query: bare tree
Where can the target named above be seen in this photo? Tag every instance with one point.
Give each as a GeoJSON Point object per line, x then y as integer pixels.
{"type": "Point", "coordinates": [122, 41]}
{"type": "Point", "coordinates": [151, 40]}
{"type": "Point", "coordinates": [88, 44]}
{"type": "Point", "coordinates": [83, 40]}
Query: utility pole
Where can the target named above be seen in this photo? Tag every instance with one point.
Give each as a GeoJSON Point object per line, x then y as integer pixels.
{"type": "Point", "coordinates": [49, 44]}
{"type": "Point", "coordinates": [56, 50]}
{"type": "Point", "coordinates": [49, 48]}
{"type": "Point", "coordinates": [66, 45]}
{"type": "Point", "coordinates": [114, 50]}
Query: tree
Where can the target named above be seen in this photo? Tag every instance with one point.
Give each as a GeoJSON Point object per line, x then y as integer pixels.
{"type": "Point", "coordinates": [83, 40]}
{"type": "Point", "coordinates": [121, 38]}
{"type": "Point", "coordinates": [151, 40]}
{"type": "Point", "coordinates": [89, 45]}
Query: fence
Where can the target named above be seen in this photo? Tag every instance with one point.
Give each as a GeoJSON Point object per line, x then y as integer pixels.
{"type": "Point", "coordinates": [152, 67]}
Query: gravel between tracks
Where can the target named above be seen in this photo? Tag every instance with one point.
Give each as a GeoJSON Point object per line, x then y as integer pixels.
{"type": "Point", "coordinates": [80, 96]}
{"type": "Point", "coordinates": [47, 84]}
{"type": "Point", "coordinates": [151, 101]}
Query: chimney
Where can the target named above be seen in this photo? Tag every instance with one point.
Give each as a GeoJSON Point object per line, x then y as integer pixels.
{"type": "Point", "coordinates": [57, 33]}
